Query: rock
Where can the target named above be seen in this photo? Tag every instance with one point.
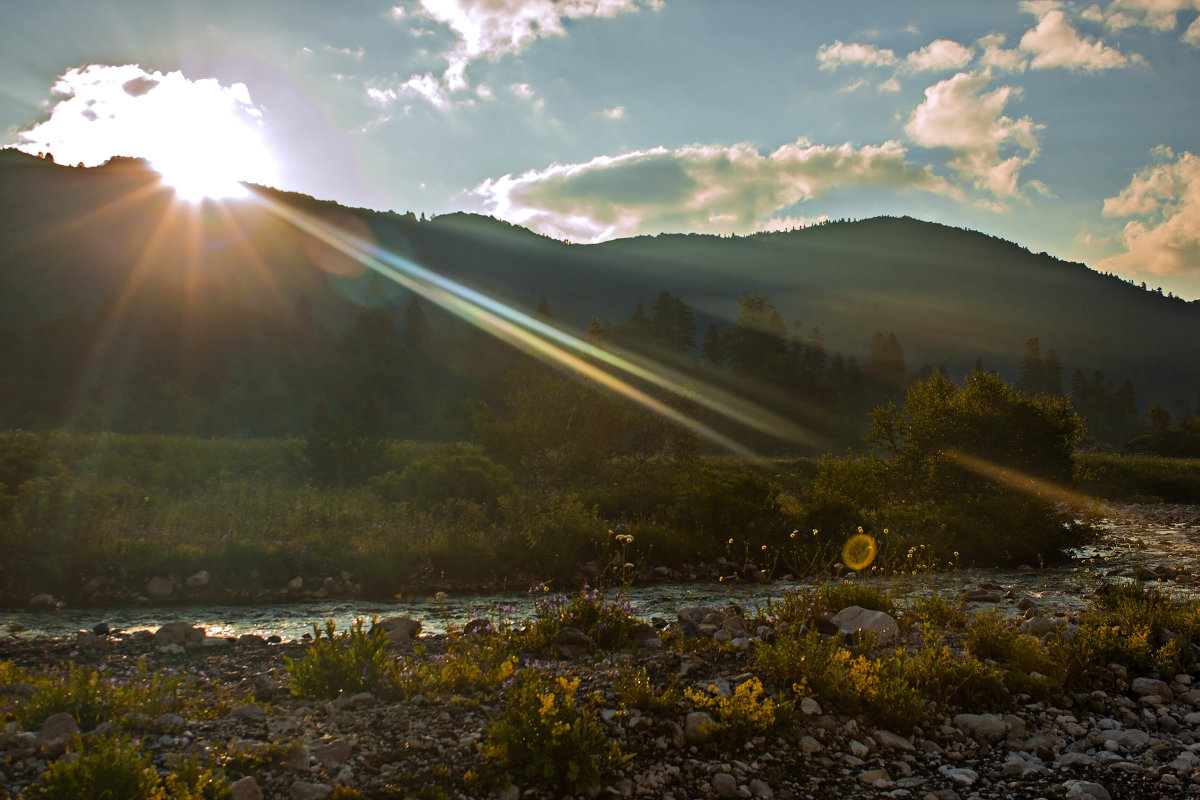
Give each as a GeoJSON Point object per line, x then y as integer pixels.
{"type": "Point", "coordinates": [169, 723]}
{"type": "Point", "coordinates": [853, 619]}
{"type": "Point", "coordinates": [198, 580]}
{"type": "Point", "coordinates": [265, 687]}
{"type": "Point", "coordinates": [351, 701]}
{"type": "Point", "coordinates": [810, 745]}
{"type": "Point", "coordinates": [479, 626]}
{"type": "Point", "coordinates": [1038, 626]}
{"type": "Point", "coordinates": [878, 778]}
{"type": "Point", "coordinates": [810, 707]}
{"type": "Point", "coordinates": [245, 789]}
{"type": "Point", "coordinates": [1086, 790]}
{"type": "Point", "coordinates": [251, 640]}
{"type": "Point", "coordinates": [86, 640]}
{"type": "Point", "coordinates": [303, 790]}
{"type": "Point", "coordinates": [179, 633]}
{"type": "Point", "coordinates": [643, 636]}
{"type": "Point", "coordinates": [158, 589]}
{"type": "Point", "coordinates": [101, 629]}
{"type": "Point", "coordinates": [760, 788]}
{"type": "Point", "coordinates": [57, 727]}
{"type": "Point", "coordinates": [573, 643]}
{"type": "Point", "coordinates": [692, 617]}
{"type": "Point", "coordinates": [1151, 686]}
{"type": "Point", "coordinates": [858, 749]}
{"type": "Point", "coordinates": [891, 741]}
{"type": "Point", "coordinates": [697, 726]}
{"type": "Point", "coordinates": [334, 753]}
{"type": "Point", "coordinates": [960, 775]}
{"type": "Point", "coordinates": [1128, 739]}
{"type": "Point", "coordinates": [510, 792]}
{"type": "Point", "coordinates": [988, 727]}
{"type": "Point", "coordinates": [982, 596]}
{"type": "Point", "coordinates": [725, 785]}
{"type": "Point", "coordinates": [399, 630]}
{"type": "Point", "coordinates": [45, 601]}
{"type": "Point", "coordinates": [250, 713]}
{"type": "Point", "coordinates": [295, 584]}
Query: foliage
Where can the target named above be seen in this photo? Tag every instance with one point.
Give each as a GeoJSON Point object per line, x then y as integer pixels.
{"type": "Point", "coordinates": [470, 665]}
{"type": "Point", "coordinates": [974, 470]}
{"type": "Point", "coordinates": [939, 674]}
{"type": "Point", "coordinates": [931, 610]}
{"type": "Point", "coordinates": [115, 769]}
{"type": "Point", "coordinates": [636, 690]}
{"type": "Point", "coordinates": [94, 695]}
{"type": "Point", "coordinates": [799, 606]}
{"type": "Point", "coordinates": [545, 736]}
{"type": "Point", "coordinates": [744, 714]}
{"type": "Point", "coordinates": [1138, 478]}
{"type": "Point", "coordinates": [607, 621]}
{"type": "Point", "coordinates": [351, 661]}
{"type": "Point", "coordinates": [459, 475]}
{"type": "Point", "coordinates": [731, 502]}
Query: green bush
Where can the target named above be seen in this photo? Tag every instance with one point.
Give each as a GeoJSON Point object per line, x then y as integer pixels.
{"type": "Point", "coordinates": [429, 481]}
{"type": "Point", "coordinates": [607, 621]}
{"type": "Point", "coordinates": [544, 735]}
{"type": "Point", "coordinates": [115, 769]}
{"type": "Point", "coordinates": [351, 661]}
{"type": "Point", "coordinates": [731, 503]}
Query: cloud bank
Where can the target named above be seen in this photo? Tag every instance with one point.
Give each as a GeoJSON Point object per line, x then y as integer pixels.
{"type": "Point", "coordinates": [1164, 239]}
{"type": "Point", "coordinates": [702, 188]}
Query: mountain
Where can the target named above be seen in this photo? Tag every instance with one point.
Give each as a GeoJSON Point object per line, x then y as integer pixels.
{"type": "Point", "coordinates": [103, 239]}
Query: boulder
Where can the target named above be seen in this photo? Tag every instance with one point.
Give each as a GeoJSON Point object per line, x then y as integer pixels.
{"type": "Point", "coordinates": [182, 634]}
{"type": "Point", "coordinates": [399, 630]}
{"type": "Point", "coordinates": [245, 789]}
{"type": "Point", "coordinates": [853, 619]}
{"type": "Point", "coordinates": [158, 588]}
{"type": "Point", "coordinates": [573, 643]}
{"type": "Point", "coordinates": [984, 727]}
{"type": "Point", "coordinates": [643, 636]}
{"type": "Point", "coordinates": [697, 727]}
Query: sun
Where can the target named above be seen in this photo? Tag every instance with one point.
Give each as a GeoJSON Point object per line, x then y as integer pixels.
{"type": "Point", "coordinates": [203, 173]}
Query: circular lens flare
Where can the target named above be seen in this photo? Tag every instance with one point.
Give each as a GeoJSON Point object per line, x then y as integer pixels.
{"type": "Point", "coordinates": [859, 551]}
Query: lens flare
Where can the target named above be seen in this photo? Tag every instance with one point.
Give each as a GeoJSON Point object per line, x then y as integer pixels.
{"type": "Point", "coordinates": [859, 551]}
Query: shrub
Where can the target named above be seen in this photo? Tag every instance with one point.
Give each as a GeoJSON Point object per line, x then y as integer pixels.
{"type": "Point", "coordinates": [609, 622]}
{"type": "Point", "coordinates": [746, 713]}
{"type": "Point", "coordinates": [115, 769]}
{"type": "Point", "coordinates": [544, 735]}
{"type": "Point", "coordinates": [636, 690]}
{"type": "Point", "coordinates": [938, 674]}
{"type": "Point", "coordinates": [352, 661]}
{"type": "Point", "coordinates": [429, 481]}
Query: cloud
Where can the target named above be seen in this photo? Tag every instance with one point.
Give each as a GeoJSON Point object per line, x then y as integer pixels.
{"type": "Point", "coordinates": [1192, 34]}
{"type": "Point", "coordinates": [989, 148]}
{"type": "Point", "coordinates": [616, 112]}
{"type": "Point", "coordinates": [702, 188]}
{"type": "Point", "coordinates": [838, 54]}
{"type": "Point", "coordinates": [1165, 240]}
{"type": "Point", "coordinates": [939, 54]}
{"type": "Point", "coordinates": [106, 110]}
{"type": "Point", "coordinates": [493, 28]}
{"type": "Point", "coordinates": [1161, 15]}
{"type": "Point", "coordinates": [1055, 43]}
{"type": "Point", "coordinates": [522, 90]}
{"type": "Point", "coordinates": [994, 55]}
{"type": "Point", "coordinates": [890, 85]}
{"type": "Point", "coordinates": [424, 86]}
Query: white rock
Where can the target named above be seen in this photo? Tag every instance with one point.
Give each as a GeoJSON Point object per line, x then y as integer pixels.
{"type": "Point", "coordinates": [960, 775]}
{"type": "Point", "coordinates": [810, 706]}
{"type": "Point", "coordinates": [859, 749]}
{"type": "Point", "coordinates": [988, 727]}
{"type": "Point", "coordinates": [697, 726]}
{"type": "Point", "coordinates": [856, 618]}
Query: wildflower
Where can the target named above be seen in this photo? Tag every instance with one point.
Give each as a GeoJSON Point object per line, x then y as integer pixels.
{"type": "Point", "coordinates": [730, 541]}
{"type": "Point", "coordinates": [793, 536]}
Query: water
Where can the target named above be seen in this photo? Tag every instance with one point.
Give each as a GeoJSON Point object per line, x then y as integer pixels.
{"type": "Point", "coordinates": [1141, 536]}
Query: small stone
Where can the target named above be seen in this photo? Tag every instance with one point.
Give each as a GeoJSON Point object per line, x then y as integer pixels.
{"type": "Point", "coordinates": [1151, 686]}
{"type": "Point", "coordinates": [988, 727]}
{"type": "Point", "coordinates": [697, 727]}
{"type": "Point", "coordinates": [333, 754]}
{"type": "Point", "coordinates": [725, 785]}
{"type": "Point", "coordinates": [810, 745]}
{"type": "Point", "coordinates": [760, 788]}
{"type": "Point", "coordinates": [853, 619]}
{"type": "Point", "coordinates": [303, 790]}
{"type": "Point", "coordinates": [59, 726]}
{"type": "Point", "coordinates": [859, 749]}
{"type": "Point", "coordinates": [960, 775]}
{"type": "Point", "coordinates": [159, 589]}
{"type": "Point", "coordinates": [810, 707]}
{"type": "Point", "coordinates": [574, 643]}
{"type": "Point", "coordinates": [982, 596]}
{"type": "Point", "coordinates": [891, 741]}
{"type": "Point", "coordinates": [295, 584]}
{"type": "Point", "coordinates": [245, 789]}
{"type": "Point", "coordinates": [878, 778]}
{"type": "Point", "coordinates": [1086, 790]}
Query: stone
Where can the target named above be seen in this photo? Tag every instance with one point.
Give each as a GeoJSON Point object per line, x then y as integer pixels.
{"type": "Point", "coordinates": [265, 687]}
{"type": "Point", "coordinates": [159, 588]}
{"type": "Point", "coordinates": [810, 707]}
{"type": "Point", "coordinates": [573, 643]}
{"type": "Point", "coordinates": [399, 630]}
{"type": "Point", "coordinates": [303, 790]}
{"type": "Point", "coordinates": [810, 745]}
{"type": "Point", "coordinates": [1151, 686]}
{"type": "Point", "coordinates": [198, 580]}
{"type": "Point", "coordinates": [1038, 626]}
{"type": "Point", "coordinates": [988, 727]}
{"type": "Point", "coordinates": [1128, 739]}
{"type": "Point", "coordinates": [760, 788]}
{"type": "Point", "coordinates": [334, 753]}
{"type": "Point", "coordinates": [179, 633]}
{"type": "Point", "coordinates": [891, 741]}
{"type": "Point", "coordinates": [982, 596]}
{"type": "Point", "coordinates": [1086, 790]}
{"type": "Point", "coordinates": [169, 723]}
{"type": "Point", "coordinates": [725, 785]}
{"type": "Point", "coordinates": [697, 727]}
{"type": "Point", "coordinates": [58, 727]}
{"type": "Point", "coordinates": [45, 601]}
{"type": "Point", "coordinates": [245, 789]}
{"type": "Point", "coordinates": [295, 584]}
{"type": "Point", "coordinates": [643, 636]}
{"type": "Point", "coordinates": [959, 775]}
{"type": "Point", "coordinates": [852, 619]}
{"type": "Point", "coordinates": [878, 778]}
{"type": "Point", "coordinates": [478, 626]}
{"type": "Point", "coordinates": [692, 617]}
{"type": "Point", "coordinates": [858, 749]}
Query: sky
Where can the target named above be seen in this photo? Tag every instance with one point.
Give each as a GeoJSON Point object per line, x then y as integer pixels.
{"type": "Point", "coordinates": [1067, 127]}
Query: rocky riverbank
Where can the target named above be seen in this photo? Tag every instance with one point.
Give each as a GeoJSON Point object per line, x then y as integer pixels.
{"type": "Point", "coordinates": [1137, 737]}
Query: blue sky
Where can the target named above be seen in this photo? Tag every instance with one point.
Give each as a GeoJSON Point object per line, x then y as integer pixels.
{"type": "Point", "coordinates": [1067, 127]}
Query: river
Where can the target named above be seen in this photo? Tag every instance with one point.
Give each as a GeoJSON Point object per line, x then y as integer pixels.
{"type": "Point", "coordinates": [1133, 538]}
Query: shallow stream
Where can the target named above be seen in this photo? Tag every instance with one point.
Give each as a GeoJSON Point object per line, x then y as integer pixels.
{"type": "Point", "coordinates": [1134, 538]}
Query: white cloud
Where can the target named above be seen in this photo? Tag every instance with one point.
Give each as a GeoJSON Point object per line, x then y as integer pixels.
{"type": "Point", "coordinates": [994, 55]}
{"type": "Point", "coordinates": [1092, 14]}
{"type": "Point", "coordinates": [854, 86]}
{"type": "Point", "coordinates": [1161, 15]}
{"type": "Point", "coordinates": [890, 85]}
{"type": "Point", "coordinates": [939, 54]}
{"type": "Point", "coordinates": [484, 92]}
{"type": "Point", "coordinates": [1192, 34]}
{"type": "Point", "coordinates": [1165, 240]}
{"type": "Point", "coordinates": [703, 188]}
{"type": "Point", "coordinates": [106, 110]}
{"type": "Point", "coordinates": [616, 112]}
{"type": "Point", "coordinates": [522, 90]}
{"type": "Point", "coordinates": [424, 86]}
{"type": "Point", "coordinates": [397, 12]}
{"type": "Point", "coordinates": [1055, 43]}
{"type": "Point", "coordinates": [989, 148]}
{"type": "Point", "coordinates": [493, 28]}
{"type": "Point", "coordinates": [838, 54]}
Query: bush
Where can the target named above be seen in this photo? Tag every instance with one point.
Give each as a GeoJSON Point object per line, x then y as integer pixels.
{"type": "Point", "coordinates": [746, 713]}
{"type": "Point", "coordinates": [115, 769]}
{"type": "Point", "coordinates": [429, 481]}
{"type": "Point", "coordinates": [608, 622]}
{"type": "Point", "coordinates": [352, 661]}
{"type": "Point", "coordinates": [724, 503]}
{"type": "Point", "coordinates": [544, 735]}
